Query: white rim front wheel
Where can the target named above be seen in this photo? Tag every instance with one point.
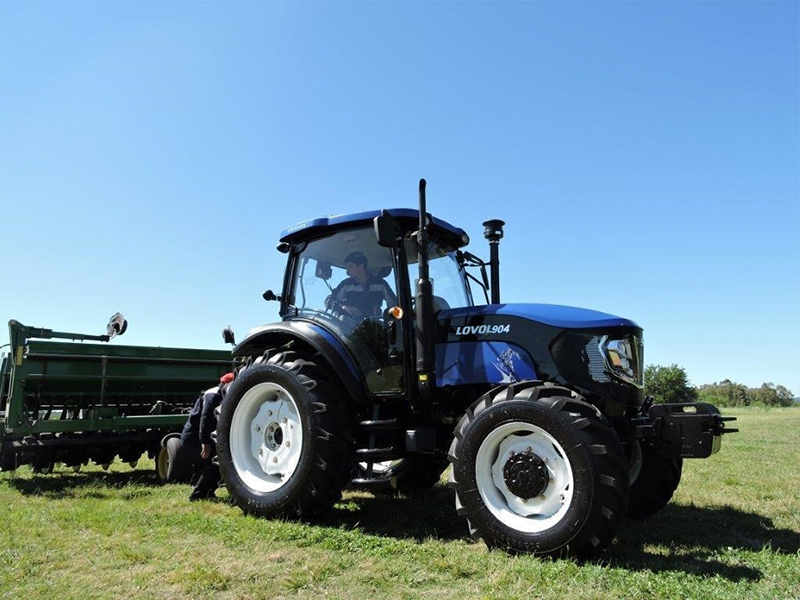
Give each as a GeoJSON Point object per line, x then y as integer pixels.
{"type": "Point", "coordinates": [524, 477]}
{"type": "Point", "coordinates": [266, 437]}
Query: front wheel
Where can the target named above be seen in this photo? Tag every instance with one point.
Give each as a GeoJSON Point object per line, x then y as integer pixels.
{"type": "Point", "coordinates": [537, 469]}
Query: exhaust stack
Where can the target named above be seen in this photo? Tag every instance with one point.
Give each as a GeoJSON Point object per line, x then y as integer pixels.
{"type": "Point", "coordinates": [424, 301]}
{"type": "Point", "coordinates": [493, 231]}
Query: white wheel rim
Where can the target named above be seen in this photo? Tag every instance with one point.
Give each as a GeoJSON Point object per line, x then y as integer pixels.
{"type": "Point", "coordinates": [266, 438]}
{"type": "Point", "coordinates": [163, 463]}
{"type": "Point", "coordinates": [535, 514]}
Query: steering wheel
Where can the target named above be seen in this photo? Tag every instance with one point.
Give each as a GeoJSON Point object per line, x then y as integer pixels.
{"type": "Point", "coordinates": [337, 310]}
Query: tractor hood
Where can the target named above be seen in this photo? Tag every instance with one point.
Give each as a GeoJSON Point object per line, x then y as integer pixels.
{"type": "Point", "coordinates": [565, 317]}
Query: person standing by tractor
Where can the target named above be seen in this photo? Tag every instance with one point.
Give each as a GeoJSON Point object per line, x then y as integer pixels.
{"type": "Point", "coordinates": [362, 293]}
{"type": "Point", "coordinates": [197, 442]}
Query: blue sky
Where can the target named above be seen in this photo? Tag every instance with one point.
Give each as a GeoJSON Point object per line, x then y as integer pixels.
{"type": "Point", "coordinates": [646, 157]}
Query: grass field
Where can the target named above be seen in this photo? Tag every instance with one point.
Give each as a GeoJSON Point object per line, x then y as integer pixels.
{"type": "Point", "coordinates": [732, 531]}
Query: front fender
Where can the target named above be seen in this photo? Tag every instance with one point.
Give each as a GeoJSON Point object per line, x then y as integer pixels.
{"type": "Point", "coordinates": [316, 336]}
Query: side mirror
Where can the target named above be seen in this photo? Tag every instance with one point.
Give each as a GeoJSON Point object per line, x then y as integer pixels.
{"type": "Point", "coordinates": [227, 336]}
{"type": "Point", "coordinates": [387, 231]}
{"type": "Point", "coordinates": [117, 325]}
{"type": "Point", "coordinates": [324, 270]}
{"type": "Point", "coordinates": [270, 295]}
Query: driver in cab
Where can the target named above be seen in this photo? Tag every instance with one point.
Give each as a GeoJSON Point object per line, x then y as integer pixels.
{"type": "Point", "coordinates": [362, 293]}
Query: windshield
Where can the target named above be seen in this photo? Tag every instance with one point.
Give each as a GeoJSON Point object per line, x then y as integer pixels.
{"type": "Point", "coordinates": [345, 275]}
{"type": "Point", "coordinates": [449, 285]}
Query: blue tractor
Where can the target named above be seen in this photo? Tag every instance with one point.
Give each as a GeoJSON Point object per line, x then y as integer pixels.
{"type": "Point", "coordinates": [384, 370]}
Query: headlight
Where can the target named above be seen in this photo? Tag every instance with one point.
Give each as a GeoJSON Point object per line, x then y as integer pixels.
{"type": "Point", "coordinates": [624, 358]}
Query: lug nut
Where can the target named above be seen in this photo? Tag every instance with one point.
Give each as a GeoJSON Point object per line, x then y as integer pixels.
{"type": "Point", "coordinates": [542, 497]}
{"type": "Point", "coordinates": [528, 449]}
{"type": "Point", "coordinates": [288, 444]}
{"type": "Point", "coordinates": [275, 459]}
{"type": "Point", "coordinates": [269, 413]}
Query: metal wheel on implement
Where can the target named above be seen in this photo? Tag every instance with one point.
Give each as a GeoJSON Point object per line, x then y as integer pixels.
{"type": "Point", "coordinates": [284, 436]}
{"type": "Point", "coordinates": [173, 464]}
{"type": "Point", "coordinates": [537, 469]}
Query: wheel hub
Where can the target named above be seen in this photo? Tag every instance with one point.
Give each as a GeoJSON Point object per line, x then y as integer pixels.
{"type": "Point", "coordinates": [266, 437]}
{"type": "Point", "coordinates": [536, 500]}
{"type": "Point", "coordinates": [525, 475]}
{"type": "Point", "coordinates": [273, 436]}
{"type": "Point", "coordinates": [273, 430]}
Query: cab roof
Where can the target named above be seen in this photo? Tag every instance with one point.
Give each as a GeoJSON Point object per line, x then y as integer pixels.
{"type": "Point", "coordinates": [407, 217]}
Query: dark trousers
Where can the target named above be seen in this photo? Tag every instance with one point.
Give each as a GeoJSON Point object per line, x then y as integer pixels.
{"type": "Point", "coordinates": [206, 472]}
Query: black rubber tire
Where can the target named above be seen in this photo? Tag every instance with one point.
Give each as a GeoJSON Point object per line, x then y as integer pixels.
{"type": "Point", "coordinates": [327, 418]}
{"type": "Point", "coordinates": [657, 481]}
{"type": "Point", "coordinates": [173, 465]}
{"type": "Point", "coordinates": [592, 447]}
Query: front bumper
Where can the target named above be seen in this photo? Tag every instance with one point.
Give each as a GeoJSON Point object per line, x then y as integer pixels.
{"type": "Point", "coordinates": [691, 430]}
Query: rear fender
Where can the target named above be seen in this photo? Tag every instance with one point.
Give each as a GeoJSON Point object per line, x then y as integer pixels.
{"type": "Point", "coordinates": [315, 336]}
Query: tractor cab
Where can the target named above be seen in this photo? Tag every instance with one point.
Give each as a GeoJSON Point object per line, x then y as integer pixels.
{"type": "Point", "coordinates": [342, 280]}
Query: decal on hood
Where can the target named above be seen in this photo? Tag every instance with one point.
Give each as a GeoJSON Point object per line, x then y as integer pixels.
{"type": "Point", "coordinates": [482, 329]}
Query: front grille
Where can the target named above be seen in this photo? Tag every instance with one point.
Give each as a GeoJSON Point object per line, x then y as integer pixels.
{"type": "Point", "coordinates": [596, 363]}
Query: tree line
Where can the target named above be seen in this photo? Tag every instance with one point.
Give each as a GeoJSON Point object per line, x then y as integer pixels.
{"type": "Point", "coordinates": [670, 384]}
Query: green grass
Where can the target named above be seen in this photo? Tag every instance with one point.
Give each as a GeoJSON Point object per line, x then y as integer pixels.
{"type": "Point", "coordinates": [732, 531]}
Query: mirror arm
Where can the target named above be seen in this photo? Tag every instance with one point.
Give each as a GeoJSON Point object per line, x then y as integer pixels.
{"type": "Point", "coordinates": [471, 260]}
{"type": "Point", "coordinates": [482, 286]}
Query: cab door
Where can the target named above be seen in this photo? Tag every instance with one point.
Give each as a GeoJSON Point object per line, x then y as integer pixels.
{"type": "Point", "coordinates": [378, 342]}
{"type": "Point", "coordinates": [324, 292]}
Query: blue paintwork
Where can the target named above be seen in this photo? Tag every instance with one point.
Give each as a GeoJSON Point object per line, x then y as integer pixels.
{"type": "Point", "coordinates": [465, 363]}
{"type": "Point", "coordinates": [307, 329]}
{"type": "Point", "coordinates": [323, 224]}
{"type": "Point", "coordinates": [337, 345]}
{"type": "Point", "coordinates": [567, 317]}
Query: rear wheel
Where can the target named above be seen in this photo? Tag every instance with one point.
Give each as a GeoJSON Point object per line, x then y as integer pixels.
{"type": "Point", "coordinates": [656, 482]}
{"type": "Point", "coordinates": [537, 469]}
{"type": "Point", "coordinates": [284, 437]}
